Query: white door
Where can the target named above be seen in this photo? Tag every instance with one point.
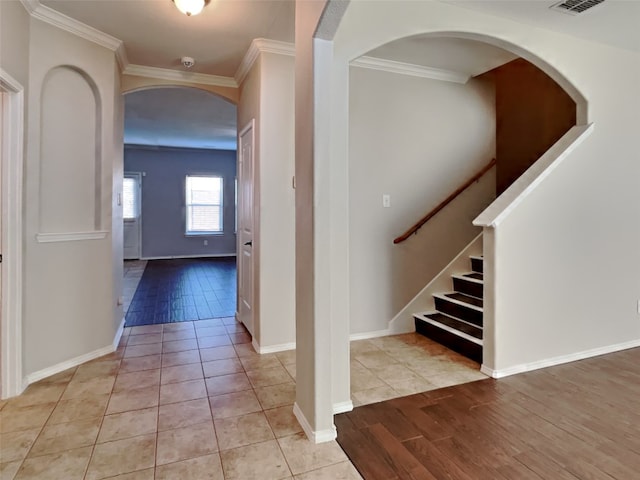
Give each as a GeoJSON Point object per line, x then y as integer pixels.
{"type": "Point", "coordinates": [245, 228]}
{"type": "Point", "coordinates": [131, 213]}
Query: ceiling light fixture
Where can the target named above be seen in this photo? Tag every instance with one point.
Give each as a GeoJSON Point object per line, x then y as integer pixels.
{"type": "Point", "coordinates": [190, 7]}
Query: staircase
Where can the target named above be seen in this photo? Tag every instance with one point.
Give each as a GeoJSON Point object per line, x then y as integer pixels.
{"type": "Point", "coordinates": [456, 322]}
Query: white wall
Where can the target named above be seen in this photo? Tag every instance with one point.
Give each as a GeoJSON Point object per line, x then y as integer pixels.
{"type": "Point", "coordinates": [71, 287]}
{"type": "Point", "coordinates": [417, 140]}
{"type": "Point", "coordinates": [567, 257]}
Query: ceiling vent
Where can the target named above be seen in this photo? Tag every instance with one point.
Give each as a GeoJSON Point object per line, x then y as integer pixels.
{"type": "Point", "coordinates": [574, 7]}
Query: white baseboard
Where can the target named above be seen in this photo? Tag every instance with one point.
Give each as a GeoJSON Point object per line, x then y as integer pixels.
{"type": "Point", "coordinates": [74, 362]}
{"type": "Point", "coordinates": [320, 436]}
{"type": "Point", "coordinates": [342, 407]}
{"type": "Point", "coordinates": [366, 335]}
{"type": "Point", "coordinates": [550, 362]}
{"type": "Point", "coordinates": [172, 257]}
{"type": "Point", "coordinates": [282, 347]}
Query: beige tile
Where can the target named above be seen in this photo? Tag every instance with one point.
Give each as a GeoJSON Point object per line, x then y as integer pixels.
{"type": "Point", "coordinates": [291, 369]}
{"type": "Point", "coordinates": [36, 395]}
{"type": "Point", "coordinates": [146, 474]}
{"type": "Point", "coordinates": [339, 471]}
{"type": "Point", "coordinates": [217, 353]}
{"type": "Point", "coordinates": [229, 321]}
{"type": "Point", "coordinates": [364, 380]}
{"type": "Point", "coordinates": [16, 445]}
{"type": "Point", "coordinates": [8, 470]}
{"type": "Point", "coordinates": [261, 361]}
{"type": "Point", "coordinates": [235, 382]}
{"type": "Point", "coordinates": [182, 414]}
{"type": "Point", "coordinates": [69, 465]}
{"type": "Point", "coordinates": [91, 370]}
{"type": "Point", "coordinates": [93, 386]}
{"type": "Point", "coordinates": [187, 442]}
{"type": "Point", "coordinates": [240, 338]}
{"type": "Point", "coordinates": [180, 358]}
{"type": "Point", "coordinates": [394, 372]}
{"type": "Point", "coordinates": [358, 347]}
{"type": "Point", "coordinates": [145, 329]}
{"type": "Point", "coordinates": [183, 391]}
{"type": "Point", "coordinates": [88, 406]}
{"type": "Point", "coordinates": [222, 367]}
{"type": "Point", "coordinates": [287, 357]}
{"type": "Point", "coordinates": [211, 322]}
{"type": "Point", "coordinates": [233, 404]}
{"type": "Point", "coordinates": [261, 460]}
{"type": "Point", "coordinates": [145, 339]}
{"type": "Point", "coordinates": [409, 386]}
{"type": "Point", "coordinates": [128, 424]}
{"type": "Point", "coordinates": [61, 378]}
{"type": "Point", "coordinates": [177, 326]}
{"type": "Point", "coordinates": [282, 420]}
{"type": "Point", "coordinates": [276, 395]}
{"type": "Point", "coordinates": [134, 380]}
{"type": "Point", "coordinates": [66, 436]}
{"type": "Point", "coordinates": [122, 456]}
{"type": "Point", "coordinates": [180, 346]}
{"type": "Point", "coordinates": [142, 350]}
{"type": "Point", "coordinates": [179, 335]}
{"type": "Point", "coordinates": [133, 400]}
{"type": "Point", "coordinates": [266, 377]}
{"type": "Point", "coordinates": [136, 364]}
{"type": "Point", "coordinates": [210, 331]}
{"type": "Point", "coordinates": [215, 341]}
{"type": "Point", "coordinates": [181, 373]}
{"type": "Point", "coordinates": [236, 432]}
{"type": "Point", "coordinates": [303, 456]}
{"type": "Point", "coordinates": [373, 395]}
{"type": "Point", "coordinates": [374, 359]}
{"type": "Point", "coordinates": [207, 467]}
{"type": "Point", "coordinates": [27, 418]}
{"type": "Point", "coordinates": [245, 350]}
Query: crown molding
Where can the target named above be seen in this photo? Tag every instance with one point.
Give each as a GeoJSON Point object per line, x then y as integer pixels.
{"type": "Point", "coordinates": [258, 46]}
{"type": "Point", "coordinates": [179, 76]}
{"type": "Point", "coordinates": [410, 69]}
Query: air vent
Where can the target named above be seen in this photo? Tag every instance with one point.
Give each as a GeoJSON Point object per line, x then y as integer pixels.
{"type": "Point", "coordinates": [574, 7]}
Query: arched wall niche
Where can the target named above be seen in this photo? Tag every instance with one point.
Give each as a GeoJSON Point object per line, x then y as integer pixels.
{"type": "Point", "coordinates": [70, 184]}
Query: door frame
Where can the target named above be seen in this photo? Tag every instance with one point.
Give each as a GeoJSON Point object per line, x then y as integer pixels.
{"type": "Point", "coordinates": [12, 163]}
{"type": "Point", "coordinates": [138, 176]}
{"type": "Point", "coordinates": [254, 311]}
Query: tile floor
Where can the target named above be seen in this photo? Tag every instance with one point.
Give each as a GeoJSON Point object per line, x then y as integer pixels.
{"type": "Point", "coordinates": [192, 400]}
{"type": "Point", "coordinates": [184, 290]}
{"type": "Point", "coordinates": [132, 272]}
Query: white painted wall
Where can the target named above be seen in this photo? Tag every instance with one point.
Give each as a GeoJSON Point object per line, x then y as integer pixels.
{"type": "Point", "coordinates": [567, 257]}
{"type": "Point", "coordinates": [417, 140]}
{"type": "Point", "coordinates": [71, 287]}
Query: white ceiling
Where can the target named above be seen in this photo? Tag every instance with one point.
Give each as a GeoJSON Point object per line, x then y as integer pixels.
{"type": "Point", "coordinates": [179, 117]}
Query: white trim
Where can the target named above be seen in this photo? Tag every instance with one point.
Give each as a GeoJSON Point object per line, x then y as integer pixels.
{"type": "Point", "coordinates": [495, 213]}
{"type": "Point", "coordinates": [467, 279]}
{"type": "Point", "coordinates": [282, 347]}
{"type": "Point", "coordinates": [118, 335]}
{"type": "Point", "coordinates": [71, 236]}
{"type": "Point", "coordinates": [12, 164]}
{"type": "Point", "coordinates": [366, 335]}
{"type": "Point", "coordinates": [447, 328]}
{"type": "Point", "coordinates": [71, 25]}
{"type": "Point", "coordinates": [320, 436]}
{"type": "Point", "coordinates": [180, 76]}
{"type": "Point", "coordinates": [442, 296]}
{"type": "Point", "coordinates": [171, 257]}
{"type": "Point", "coordinates": [342, 407]}
{"type": "Point", "coordinates": [258, 46]}
{"type": "Point", "coordinates": [409, 69]}
{"type": "Point", "coordinates": [550, 362]}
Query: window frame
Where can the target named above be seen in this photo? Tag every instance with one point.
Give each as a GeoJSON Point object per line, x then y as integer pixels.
{"type": "Point", "coordinates": [187, 205]}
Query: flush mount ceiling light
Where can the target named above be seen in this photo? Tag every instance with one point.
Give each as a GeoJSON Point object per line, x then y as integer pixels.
{"type": "Point", "coordinates": [190, 7]}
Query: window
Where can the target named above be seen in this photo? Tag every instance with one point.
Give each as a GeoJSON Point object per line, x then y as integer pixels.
{"type": "Point", "coordinates": [204, 205]}
{"type": "Point", "coordinates": [129, 199]}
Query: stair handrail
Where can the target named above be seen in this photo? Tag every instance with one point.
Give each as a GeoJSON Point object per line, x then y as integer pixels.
{"type": "Point", "coordinates": [444, 203]}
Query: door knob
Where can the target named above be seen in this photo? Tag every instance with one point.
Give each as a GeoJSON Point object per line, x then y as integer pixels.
{"type": "Point", "coordinates": [249, 243]}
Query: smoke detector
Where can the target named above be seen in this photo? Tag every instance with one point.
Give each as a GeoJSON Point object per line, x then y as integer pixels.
{"type": "Point", "coordinates": [188, 62]}
{"type": "Point", "coordinates": [575, 7]}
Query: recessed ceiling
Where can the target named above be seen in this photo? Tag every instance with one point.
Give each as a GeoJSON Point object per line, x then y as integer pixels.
{"type": "Point", "coordinates": [179, 117]}
{"type": "Point", "coordinates": [156, 34]}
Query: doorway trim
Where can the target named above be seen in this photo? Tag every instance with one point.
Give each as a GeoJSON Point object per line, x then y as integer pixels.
{"type": "Point", "coordinates": [12, 161]}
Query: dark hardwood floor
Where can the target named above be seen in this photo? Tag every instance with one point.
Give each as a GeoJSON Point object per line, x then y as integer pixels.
{"type": "Point", "coordinates": [575, 421]}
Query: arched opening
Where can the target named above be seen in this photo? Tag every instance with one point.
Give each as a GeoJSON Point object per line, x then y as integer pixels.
{"type": "Point", "coordinates": [179, 206]}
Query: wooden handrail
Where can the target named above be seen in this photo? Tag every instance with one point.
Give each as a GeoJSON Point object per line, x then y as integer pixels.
{"type": "Point", "coordinates": [444, 203]}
